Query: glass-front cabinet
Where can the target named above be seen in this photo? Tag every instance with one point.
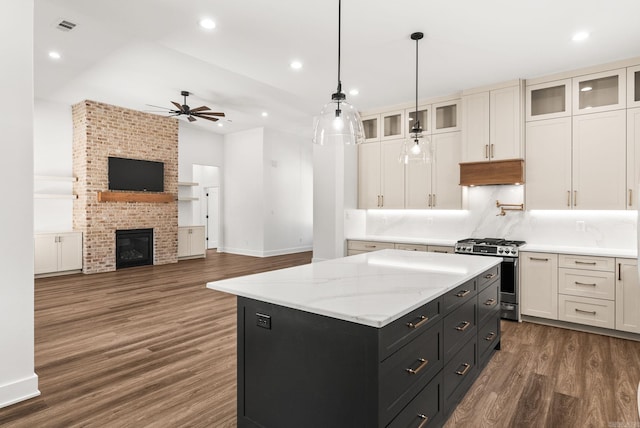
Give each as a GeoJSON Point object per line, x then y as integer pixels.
{"type": "Point", "coordinates": [392, 125]}
{"type": "Point", "coordinates": [424, 117]}
{"type": "Point", "coordinates": [633, 86]}
{"type": "Point", "coordinates": [446, 116]}
{"type": "Point", "coordinates": [371, 126]}
{"type": "Point", "coordinates": [600, 92]}
{"type": "Point", "coordinates": [549, 100]}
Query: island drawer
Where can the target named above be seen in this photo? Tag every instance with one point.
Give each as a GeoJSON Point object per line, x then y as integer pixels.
{"type": "Point", "coordinates": [397, 334]}
{"type": "Point", "coordinates": [487, 277]}
{"type": "Point", "coordinates": [607, 264]}
{"type": "Point", "coordinates": [458, 327]}
{"type": "Point", "coordinates": [407, 371]}
{"type": "Point", "coordinates": [587, 283]}
{"type": "Point", "coordinates": [458, 296]}
{"type": "Point", "coordinates": [460, 370]}
{"type": "Point", "coordinates": [424, 410]}
{"type": "Point", "coordinates": [488, 302]}
{"type": "Point", "coordinates": [488, 336]}
{"type": "Point", "coordinates": [369, 245]}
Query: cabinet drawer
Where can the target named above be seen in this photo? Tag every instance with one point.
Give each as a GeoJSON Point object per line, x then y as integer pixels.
{"type": "Point", "coordinates": [458, 296]}
{"type": "Point", "coordinates": [487, 277]}
{"type": "Point", "coordinates": [584, 310]}
{"type": "Point", "coordinates": [488, 336]}
{"type": "Point", "coordinates": [355, 252]}
{"type": "Point", "coordinates": [458, 327]}
{"type": "Point", "coordinates": [401, 331]}
{"type": "Point", "coordinates": [424, 410]}
{"type": "Point", "coordinates": [607, 264]}
{"type": "Point", "coordinates": [369, 245]}
{"type": "Point", "coordinates": [461, 367]}
{"type": "Point", "coordinates": [411, 247]}
{"type": "Point", "coordinates": [440, 249]}
{"type": "Point", "coordinates": [488, 302]}
{"type": "Point", "coordinates": [587, 283]}
{"type": "Point", "coordinates": [407, 371]}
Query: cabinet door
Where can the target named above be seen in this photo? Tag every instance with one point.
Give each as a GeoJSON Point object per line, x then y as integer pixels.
{"type": "Point", "coordinates": [505, 140]}
{"type": "Point", "coordinates": [539, 285]}
{"type": "Point", "coordinates": [184, 243]}
{"type": "Point", "coordinates": [446, 116]}
{"type": "Point", "coordinates": [69, 251]}
{"type": "Point", "coordinates": [369, 175]}
{"type": "Point", "coordinates": [197, 241]}
{"type": "Point", "coordinates": [371, 127]}
{"type": "Point", "coordinates": [548, 154]}
{"type": "Point", "coordinates": [475, 127]}
{"type": "Point", "coordinates": [418, 185]}
{"type": "Point", "coordinates": [627, 296]}
{"type": "Point", "coordinates": [392, 175]}
{"type": "Point", "coordinates": [633, 157]}
{"type": "Point", "coordinates": [45, 253]}
{"type": "Point", "coordinates": [424, 115]}
{"type": "Point", "coordinates": [599, 152]}
{"type": "Point", "coordinates": [549, 100]}
{"type": "Point", "coordinates": [633, 86]}
{"type": "Point", "coordinates": [392, 125]}
{"type": "Point", "coordinates": [445, 188]}
{"type": "Point", "coordinates": [600, 92]}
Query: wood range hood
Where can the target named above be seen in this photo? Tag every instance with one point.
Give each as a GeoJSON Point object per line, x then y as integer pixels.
{"type": "Point", "coordinates": [510, 171]}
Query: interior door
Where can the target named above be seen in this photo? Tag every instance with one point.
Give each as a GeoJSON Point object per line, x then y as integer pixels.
{"type": "Point", "coordinates": [213, 216]}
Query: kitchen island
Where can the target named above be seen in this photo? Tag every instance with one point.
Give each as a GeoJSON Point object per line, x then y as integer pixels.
{"type": "Point", "coordinates": [390, 338]}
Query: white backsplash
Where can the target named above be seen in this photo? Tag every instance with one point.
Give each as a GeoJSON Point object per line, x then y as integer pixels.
{"type": "Point", "coordinates": [603, 229]}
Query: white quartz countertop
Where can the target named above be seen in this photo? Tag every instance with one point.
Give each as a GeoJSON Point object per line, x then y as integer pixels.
{"type": "Point", "coordinates": [405, 240]}
{"type": "Point", "coordinates": [581, 251]}
{"type": "Point", "coordinates": [373, 289]}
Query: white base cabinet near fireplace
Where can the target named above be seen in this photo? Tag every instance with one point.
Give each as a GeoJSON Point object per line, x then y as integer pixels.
{"type": "Point", "coordinates": [191, 242]}
{"type": "Point", "coordinates": [57, 252]}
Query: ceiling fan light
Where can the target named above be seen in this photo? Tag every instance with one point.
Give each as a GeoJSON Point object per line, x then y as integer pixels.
{"type": "Point", "coordinates": [207, 23]}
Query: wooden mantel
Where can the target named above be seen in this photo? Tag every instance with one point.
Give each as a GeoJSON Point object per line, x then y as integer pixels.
{"type": "Point", "coordinates": [135, 197]}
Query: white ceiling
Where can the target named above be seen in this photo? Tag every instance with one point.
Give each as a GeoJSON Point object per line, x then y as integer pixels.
{"type": "Point", "coordinates": [137, 52]}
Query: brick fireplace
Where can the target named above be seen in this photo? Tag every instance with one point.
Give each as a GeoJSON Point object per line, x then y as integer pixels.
{"type": "Point", "coordinates": [102, 130]}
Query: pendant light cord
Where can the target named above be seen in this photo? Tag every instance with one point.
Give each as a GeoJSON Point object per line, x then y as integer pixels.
{"type": "Point", "coordinates": [417, 120]}
{"type": "Point", "coordinates": [339, 39]}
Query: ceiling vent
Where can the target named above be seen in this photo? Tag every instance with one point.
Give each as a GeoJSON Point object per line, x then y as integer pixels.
{"type": "Point", "coordinates": [64, 25]}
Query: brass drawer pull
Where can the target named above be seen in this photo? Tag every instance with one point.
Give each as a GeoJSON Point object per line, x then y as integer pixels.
{"type": "Point", "coordinates": [582, 283]}
{"type": "Point", "coordinates": [538, 259]}
{"type": "Point", "coordinates": [490, 336]}
{"type": "Point", "coordinates": [422, 319]}
{"type": "Point", "coordinates": [578, 262]}
{"type": "Point", "coordinates": [423, 364]}
{"type": "Point", "coordinates": [585, 312]}
{"type": "Point", "coordinates": [630, 197]}
{"type": "Point", "coordinates": [424, 418]}
{"type": "Point", "coordinates": [462, 293]}
{"type": "Point", "coordinates": [464, 370]}
{"type": "Point", "coordinates": [490, 302]}
{"type": "Point", "coordinates": [440, 251]}
{"type": "Point", "coordinates": [463, 326]}
{"type": "Point", "coordinates": [489, 276]}
{"type": "Point", "coordinates": [369, 246]}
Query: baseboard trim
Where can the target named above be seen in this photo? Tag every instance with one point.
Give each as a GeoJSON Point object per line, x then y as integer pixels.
{"type": "Point", "coordinates": [269, 253]}
{"type": "Point", "coordinates": [23, 389]}
{"type": "Point", "coordinates": [584, 328]}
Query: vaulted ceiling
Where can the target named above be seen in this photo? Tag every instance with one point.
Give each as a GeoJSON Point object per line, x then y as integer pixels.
{"type": "Point", "coordinates": [137, 52]}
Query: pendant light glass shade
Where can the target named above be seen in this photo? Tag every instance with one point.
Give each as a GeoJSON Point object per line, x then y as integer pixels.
{"type": "Point", "coordinates": [339, 122]}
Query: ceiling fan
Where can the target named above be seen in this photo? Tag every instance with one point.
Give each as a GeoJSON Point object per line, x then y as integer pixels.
{"type": "Point", "coordinates": [201, 112]}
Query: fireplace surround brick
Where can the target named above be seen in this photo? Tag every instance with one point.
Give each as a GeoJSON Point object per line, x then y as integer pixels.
{"type": "Point", "coordinates": [102, 130]}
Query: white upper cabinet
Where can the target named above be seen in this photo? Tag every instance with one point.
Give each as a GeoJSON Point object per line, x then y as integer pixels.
{"type": "Point", "coordinates": [633, 157]}
{"type": "Point", "coordinates": [549, 100]}
{"type": "Point", "coordinates": [369, 175]}
{"type": "Point", "coordinates": [633, 86]}
{"type": "Point", "coordinates": [600, 92]}
{"type": "Point", "coordinates": [475, 132]}
{"type": "Point", "coordinates": [371, 126]}
{"type": "Point", "coordinates": [446, 116]}
{"type": "Point", "coordinates": [392, 125]}
{"type": "Point", "coordinates": [380, 175]}
{"type": "Point", "coordinates": [424, 115]}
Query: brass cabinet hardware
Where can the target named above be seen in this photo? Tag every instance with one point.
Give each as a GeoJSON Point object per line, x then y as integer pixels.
{"type": "Point", "coordinates": [429, 203]}
{"type": "Point", "coordinates": [486, 151]}
{"type": "Point", "coordinates": [489, 276]}
{"type": "Point", "coordinates": [440, 251]}
{"type": "Point", "coordinates": [370, 246]}
{"type": "Point", "coordinates": [462, 293]}
{"type": "Point", "coordinates": [490, 302]}
{"type": "Point", "coordinates": [424, 418]}
{"type": "Point", "coordinates": [421, 320]}
{"type": "Point", "coordinates": [434, 199]}
{"type": "Point", "coordinates": [422, 364]}
{"type": "Point", "coordinates": [491, 155]}
{"type": "Point", "coordinates": [630, 197]}
{"type": "Point", "coordinates": [464, 370]}
{"type": "Point", "coordinates": [382, 199]}
{"type": "Point", "coordinates": [578, 262]}
{"type": "Point", "coordinates": [539, 259]}
{"type": "Point", "coordinates": [568, 198]}
{"type": "Point", "coordinates": [463, 326]}
{"type": "Point", "coordinates": [575, 198]}
{"type": "Point", "coordinates": [585, 312]}
{"type": "Point", "coordinates": [490, 336]}
{"type": "Point", "coordinates": [583, 283]}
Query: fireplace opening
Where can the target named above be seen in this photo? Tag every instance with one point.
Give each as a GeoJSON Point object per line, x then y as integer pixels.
{"type": "Point", "coordinates": [134, 247]}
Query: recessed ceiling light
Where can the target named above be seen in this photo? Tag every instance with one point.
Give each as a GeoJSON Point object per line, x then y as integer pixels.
{"type": "Point", "coordinates": [586, 88]}
{"type": "Point", "coordinates": [265, 114]}
{"type": "Point", "coordinates": [54, 55]}
{"type": "Point", "coordinates": [220, 125]}
{"type": "Point", "coordinates": [207, 23]}
{"type": "Point", "coordinates": [354, 92]}
{"type": "Point", "coordinates": [296, 65]}
{"type": "Point", "coordinates": [580, 36]}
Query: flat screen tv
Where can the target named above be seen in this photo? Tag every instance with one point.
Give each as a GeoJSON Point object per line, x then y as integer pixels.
{"type": "Point", "coordinates": [134, 174]}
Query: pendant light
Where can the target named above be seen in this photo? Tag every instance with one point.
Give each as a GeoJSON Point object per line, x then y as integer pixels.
{"type": "Point", "coordinates": [339, 122]}
{"type": "Point", "coordinates": [417, 148]}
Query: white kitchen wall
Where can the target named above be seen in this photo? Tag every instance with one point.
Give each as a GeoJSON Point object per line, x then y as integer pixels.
{"type": "Point", "coordinates": [288, 192]}
{"type": "Point", "coordinates": [17, 378]}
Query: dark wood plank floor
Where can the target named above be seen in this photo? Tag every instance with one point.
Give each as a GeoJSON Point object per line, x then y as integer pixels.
{"type": "Point", "coordinates": [150, 346]}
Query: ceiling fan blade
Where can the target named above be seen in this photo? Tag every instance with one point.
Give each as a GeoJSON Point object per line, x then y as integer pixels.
{"type": "Point", "coordinates": [191, 118]}
{"type": "Point", "coordinates": [212, 119]}
{"type": "Point", "coordinates": [199, 109]}
{"type": "Point", "coordinates": [212, 113]}
{"type": "Point", "coordinates": [177, 105]}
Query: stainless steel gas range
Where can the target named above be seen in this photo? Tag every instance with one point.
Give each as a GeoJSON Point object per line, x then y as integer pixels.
{"type": "Point", "coordinates": [509, 284]}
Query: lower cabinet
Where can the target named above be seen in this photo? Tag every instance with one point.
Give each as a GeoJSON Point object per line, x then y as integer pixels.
{"type": "Point", "coordinates": [191, 242]}
{"type": "Point", "coordinates": [358, 247]}
{"type": "Point", "coordinates": [539, 285]}
{"type": "Point", "coordinates": [57, 252]}
{"type": "Point", "coordinates": [627, 296]}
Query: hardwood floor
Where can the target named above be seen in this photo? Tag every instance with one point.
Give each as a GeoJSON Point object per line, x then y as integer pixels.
{"type": "Point", "coordinates": [151, 346]}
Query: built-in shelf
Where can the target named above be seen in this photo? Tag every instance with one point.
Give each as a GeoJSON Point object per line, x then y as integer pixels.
{"type": "Point", "coordinates": [135, 197]}
{"type": "Point", "coordinates": [53, 196]}
{"type": "Point", "coordinates": [54, 178]}
{"type": "Point", "coordinates": [187, 183]}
